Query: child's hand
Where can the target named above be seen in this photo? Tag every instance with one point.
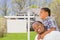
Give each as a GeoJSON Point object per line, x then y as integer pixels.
{"type": "Point", "coordinates": [42, 36]}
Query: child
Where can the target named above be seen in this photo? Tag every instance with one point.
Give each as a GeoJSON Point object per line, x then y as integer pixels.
{"type": "Point", "coordinates": [48, 22]}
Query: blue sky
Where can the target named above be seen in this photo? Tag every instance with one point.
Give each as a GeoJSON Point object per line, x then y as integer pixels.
{"type": "Point", "coordinates": [2, 3]}
{"type": "Point", "coordinates": [9, 5]}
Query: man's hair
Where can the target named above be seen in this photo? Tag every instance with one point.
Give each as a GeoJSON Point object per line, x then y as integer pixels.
{"type": "Point", "coordinates": [39, 22]}
{"type": "Point", "coordinates": [47, 10]}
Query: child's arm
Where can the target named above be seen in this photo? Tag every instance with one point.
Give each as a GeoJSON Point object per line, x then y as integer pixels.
{"type": "Point", "coordinates": [48, 31]}
{"type": "Point", "coordinates": [53, 26]}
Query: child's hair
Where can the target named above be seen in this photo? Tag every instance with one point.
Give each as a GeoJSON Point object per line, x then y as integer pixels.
{"type": "Point", "coordinates": [47, 10]}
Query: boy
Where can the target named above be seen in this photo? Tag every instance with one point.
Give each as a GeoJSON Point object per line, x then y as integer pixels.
{"type": "Point", "coordinates": [48, 22]}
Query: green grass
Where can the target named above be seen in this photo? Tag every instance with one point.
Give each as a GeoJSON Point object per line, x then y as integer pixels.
{"type": "Point", "coordinates": [18, 36]}
{"type": "Point", "coordinates": [32, 35]}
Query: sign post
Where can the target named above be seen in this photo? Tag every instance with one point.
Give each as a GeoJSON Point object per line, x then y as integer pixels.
{"type": "Point", "coordinates": [28, 26]}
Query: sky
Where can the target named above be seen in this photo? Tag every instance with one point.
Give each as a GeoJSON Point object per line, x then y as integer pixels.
{"type": "Point", "coordinates": [9, 5]}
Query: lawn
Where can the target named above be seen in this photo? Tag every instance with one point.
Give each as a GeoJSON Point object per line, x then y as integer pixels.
{"type": "Point", "coordinates": [18, 36]}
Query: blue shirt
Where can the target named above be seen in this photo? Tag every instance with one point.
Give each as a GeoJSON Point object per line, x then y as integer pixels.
{"type": "Point", "coordinates": [49, 23]}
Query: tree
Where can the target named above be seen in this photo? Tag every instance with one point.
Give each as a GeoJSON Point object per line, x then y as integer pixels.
{"type": "Point", "coordinates": [55, 8]}
{"type": "Point", "coordinates": [3, 7]}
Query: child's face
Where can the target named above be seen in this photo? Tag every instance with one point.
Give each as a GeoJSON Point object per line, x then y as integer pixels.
{"type": "Point", "coordinates": [43, 14]}
{"type": "Point", "coordinates": [38, 27]}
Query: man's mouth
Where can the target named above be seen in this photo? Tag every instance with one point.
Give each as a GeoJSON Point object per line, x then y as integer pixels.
{"type": "Point", "coordinates": [39, 30]}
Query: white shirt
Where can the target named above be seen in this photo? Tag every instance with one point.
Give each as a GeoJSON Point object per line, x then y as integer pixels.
{"type": "Point", "coordinates": [54, 35]}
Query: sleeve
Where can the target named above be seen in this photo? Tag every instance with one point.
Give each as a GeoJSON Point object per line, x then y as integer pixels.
{"type": "Point", "coordinates": [36, 37]}
{"type": "Point", "coordinates": [52, 23]}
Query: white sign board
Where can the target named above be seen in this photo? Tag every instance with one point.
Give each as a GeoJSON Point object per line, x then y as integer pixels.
{"type": "Point", "coordinates": [16, 26]}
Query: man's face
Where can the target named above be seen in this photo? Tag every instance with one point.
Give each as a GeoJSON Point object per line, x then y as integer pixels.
{"type": "Point", "coordinates": [43, 14]}
{"type": "Point", "coordinates": [38, 27]}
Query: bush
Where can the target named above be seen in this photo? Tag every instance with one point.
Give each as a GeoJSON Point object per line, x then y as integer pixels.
{"type": "Point", "coordinates": [2, 26]}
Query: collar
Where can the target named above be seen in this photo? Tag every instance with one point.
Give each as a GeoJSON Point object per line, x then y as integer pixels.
{"type": "Point", "coordinates": [46, 18]}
